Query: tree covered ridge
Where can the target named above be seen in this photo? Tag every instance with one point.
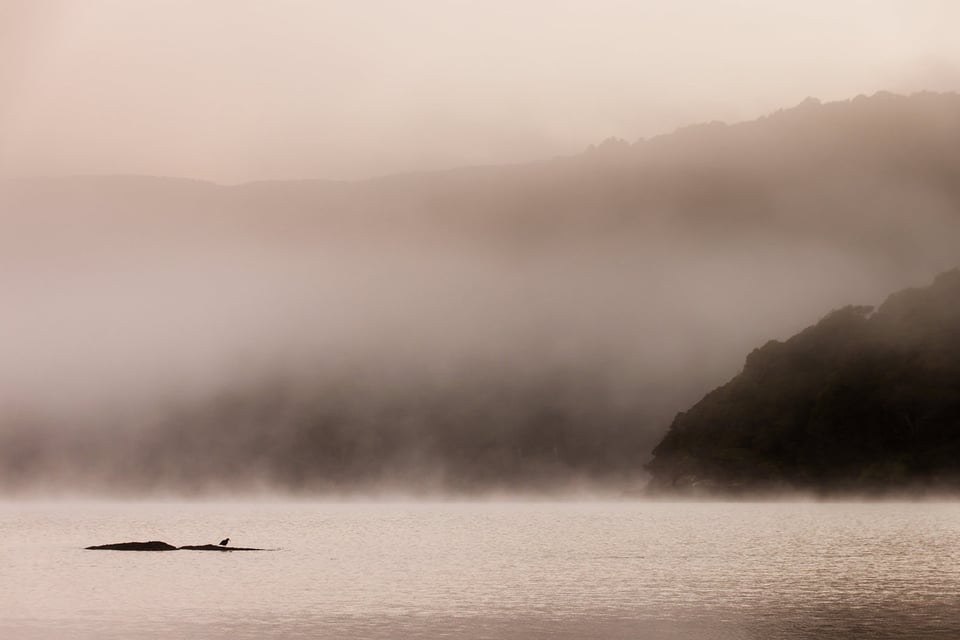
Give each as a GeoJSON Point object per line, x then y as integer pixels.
{"type": "Point", "coordinates": [863, 401]}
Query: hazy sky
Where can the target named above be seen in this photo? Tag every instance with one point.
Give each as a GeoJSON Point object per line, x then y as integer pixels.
{"type": "Point", "coordinates": [233, 90]}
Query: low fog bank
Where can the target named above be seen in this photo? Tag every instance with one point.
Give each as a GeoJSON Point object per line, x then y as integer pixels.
{"type": "Point", "coordinates": [447, 369]}
{"type": "Point", "coordinates": [520, 328]}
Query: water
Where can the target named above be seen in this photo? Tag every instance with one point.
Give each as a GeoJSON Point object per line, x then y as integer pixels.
{"type": "Point", "coordinates": [487, 570]}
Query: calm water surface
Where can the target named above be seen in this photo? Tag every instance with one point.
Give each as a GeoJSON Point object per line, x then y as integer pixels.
{"type": "Point", "coordinates": [490, 570]}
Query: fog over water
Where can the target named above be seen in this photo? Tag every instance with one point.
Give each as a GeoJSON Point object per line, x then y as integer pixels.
{"type": "Point", "coordinates": [205, 287]}
{"type": "Point", "coordinates": [479, 319]}
{"type": "Point", "coordinates": [524, 326]}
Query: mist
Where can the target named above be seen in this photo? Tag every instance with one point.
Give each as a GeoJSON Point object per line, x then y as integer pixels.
{"type": "Point", "coordinates": [529, 327]}
{"type": "Point", "coordinates": [479, 319]}
{"type": "Point", "coordinates": [233, 92]}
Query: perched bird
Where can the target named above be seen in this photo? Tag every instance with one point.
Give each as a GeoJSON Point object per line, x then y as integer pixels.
{"type": "Point", "coordinates": [224, 542]}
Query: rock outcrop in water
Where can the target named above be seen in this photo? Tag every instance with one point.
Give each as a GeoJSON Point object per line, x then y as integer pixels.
{"type": "Point", "coordinates": [153, 545]}
{"type": "Point", "coordinates": [862, 402]}
{"type": "Point", "coordinates": [157, 545]}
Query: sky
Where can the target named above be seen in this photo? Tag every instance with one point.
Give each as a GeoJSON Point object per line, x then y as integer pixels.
{"type": "Point", "coordinates": [232, 91]}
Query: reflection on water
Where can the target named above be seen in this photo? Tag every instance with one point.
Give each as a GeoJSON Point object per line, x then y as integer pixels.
{"type": "Point", "coordinates": [496, 570]}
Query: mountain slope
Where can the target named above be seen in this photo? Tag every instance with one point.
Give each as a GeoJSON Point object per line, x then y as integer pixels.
{"type": "Point", "coordinates": [862, 401]}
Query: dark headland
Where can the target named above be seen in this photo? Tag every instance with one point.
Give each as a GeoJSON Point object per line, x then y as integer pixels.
{"type": "Point", "coordinates": [863, 402]}
{"type": "Point", "coordinates": [157, 545]}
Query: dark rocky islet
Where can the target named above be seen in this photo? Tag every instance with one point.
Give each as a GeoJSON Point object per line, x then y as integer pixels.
{"type": "Point", "coordinates": [157, 545]}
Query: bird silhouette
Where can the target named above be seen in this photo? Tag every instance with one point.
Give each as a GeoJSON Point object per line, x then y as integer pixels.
{"type": "Point", "coordinates": [224, 542]}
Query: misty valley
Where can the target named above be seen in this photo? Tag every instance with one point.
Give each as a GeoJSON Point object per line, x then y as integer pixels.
{"type": "Point", "coordinates": [529, 328]}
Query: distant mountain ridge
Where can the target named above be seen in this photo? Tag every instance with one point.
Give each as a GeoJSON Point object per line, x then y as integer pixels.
{"type": "Point", "coordinates": [811, 122]}
{"type": "Point", "coordinates": [862, 401]}
{"type": "Point", "coordinates": [821, 170]}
